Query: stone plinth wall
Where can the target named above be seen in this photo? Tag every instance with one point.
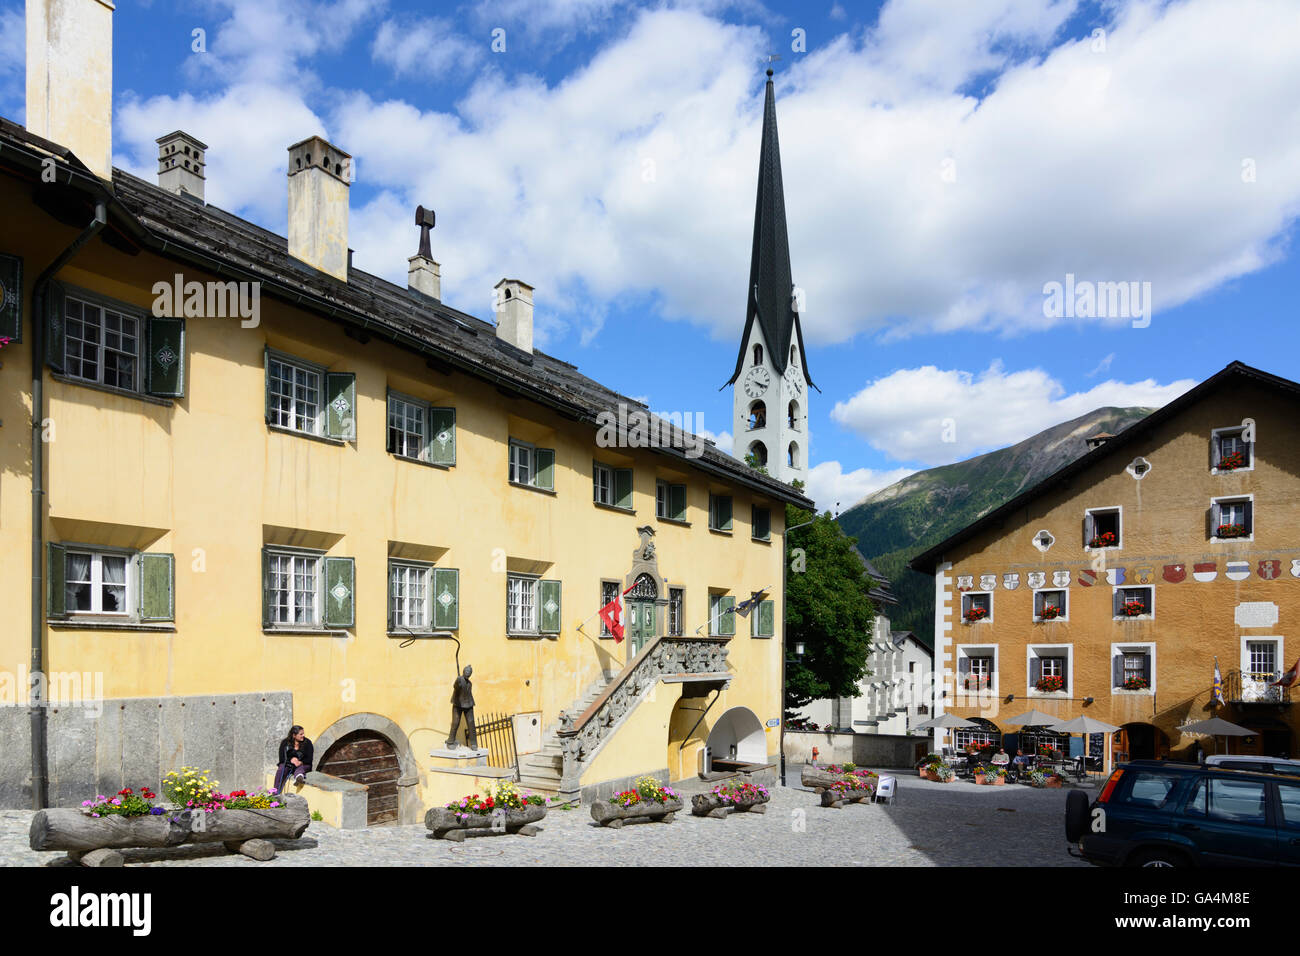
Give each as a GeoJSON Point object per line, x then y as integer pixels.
{"type": "Point", "coordinates": [133, 741]}
{"type": "Point", "coordinates": [865, 750]}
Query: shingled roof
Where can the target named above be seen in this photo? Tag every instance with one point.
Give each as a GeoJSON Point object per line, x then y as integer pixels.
{"type": "Point", "coordinates": [142, 215]}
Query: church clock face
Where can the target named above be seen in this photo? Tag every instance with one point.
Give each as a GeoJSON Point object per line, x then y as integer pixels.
{"type": "Point", "coordinates": [756, 382]}
{"type": "Point", "coordinates": [792, 379]}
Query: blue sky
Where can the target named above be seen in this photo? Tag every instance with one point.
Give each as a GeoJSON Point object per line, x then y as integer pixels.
{"type": "Point", "coordinates": [943, 162]}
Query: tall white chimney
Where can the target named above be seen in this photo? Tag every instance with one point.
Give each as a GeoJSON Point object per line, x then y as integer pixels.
{"type": "Point", "coordinates": [181, 159]}
{"type": "Point", "coordinates": [514, 311]}
{"type": "Point", "coordinates": [70, 78]}
{"type": "Point", "coordinates": [320, 175]}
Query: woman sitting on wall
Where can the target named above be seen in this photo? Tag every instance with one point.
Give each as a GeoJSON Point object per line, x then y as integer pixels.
{"type": "Point", "coordinates": [295, 757]}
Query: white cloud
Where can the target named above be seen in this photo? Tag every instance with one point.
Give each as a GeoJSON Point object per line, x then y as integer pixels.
{"type": "Point", "coordinates": [722, 440]}
{"type": "Point", "coordinates": [1102, 366]}
{"type": "Point", "coordinates": [635, 173]}
{"type": "Point", "coordinates": [837, 491]}
{"type": "Point", "coordinates": [936, 416]}
{"type": "Point", "coordinates": [427, 47]}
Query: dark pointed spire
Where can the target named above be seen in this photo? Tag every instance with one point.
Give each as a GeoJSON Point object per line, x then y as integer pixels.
{"type": "Point", "coordinates": [771, 288]}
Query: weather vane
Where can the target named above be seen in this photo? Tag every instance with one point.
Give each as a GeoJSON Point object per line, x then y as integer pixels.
{"type": "Point", "coordinates": [772, 58]}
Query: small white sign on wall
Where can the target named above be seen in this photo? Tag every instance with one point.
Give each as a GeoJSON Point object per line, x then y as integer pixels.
{"type": "Point", "coordinates": [1256, 614]}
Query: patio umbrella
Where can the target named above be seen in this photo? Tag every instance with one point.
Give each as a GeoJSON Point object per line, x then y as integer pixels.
{"type": "Point", "coordinates": [1217, 727]}
{"type": "Point", "coordinates": [1032, 719]}
{"type": "Point", "coordinates": [1087, 726]}
{"type": "Point", "coordinates": [946, 722]}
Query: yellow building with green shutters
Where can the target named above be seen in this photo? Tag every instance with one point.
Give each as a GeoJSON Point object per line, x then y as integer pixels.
{"type": "Point", "coordinates": [262, 487]}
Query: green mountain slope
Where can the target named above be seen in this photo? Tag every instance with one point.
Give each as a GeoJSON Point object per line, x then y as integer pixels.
{"type": "Point", "coordinates": [899, 522]}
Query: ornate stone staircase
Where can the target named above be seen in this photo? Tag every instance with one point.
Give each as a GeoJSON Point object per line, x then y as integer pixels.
{"type": "Point", "coordinates": [543, 770]}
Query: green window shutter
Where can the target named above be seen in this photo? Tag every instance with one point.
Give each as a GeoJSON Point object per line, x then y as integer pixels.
{"type": "Point", "coordinates": [56, 570]}
{"type": "Point", "coordinates": [11, 298]}
{"type": "Point", "coordinates": [446, 599]}
{"type": "Point", "coordinates": [340, 588]}
{"type": "Point", "coordinates": [767, 618]}
{"type": "Point", "coordinates": [266, 588]}
{"type": "Point", "coordinates": [266, 379]}
{"type": "Point", "coordinates": [549, 601]}
{"type": "Point", "coordinates": [724, 512]}
{"type": "Point", "coordinates": [442, 436]}
{"type": "Point", "coordinates": [341, 413]}
{"type": "Point", "coordinates": [544, 463]}
{"type": "Point", "coordinates": [54, 327]}
{"type": "Point", "coordinates": [157, 587]}
{"type": "Point", "coordinates": [623, 488]}
{"type": "Point", "coordinates": [677, 502]}
{"type": "Point", "coordinates": [761, 523]}
{"type": "Point", "coordinates": [166, 366]}
{"type": "Point", "coordinates": [726, 619]}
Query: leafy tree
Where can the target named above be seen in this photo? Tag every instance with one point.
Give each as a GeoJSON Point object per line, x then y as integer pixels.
{"type": "Point", "coordinates": [828, 608]}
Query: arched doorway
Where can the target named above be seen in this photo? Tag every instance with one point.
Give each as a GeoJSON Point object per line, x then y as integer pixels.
{"type": "Point", "coordinates": [737, 740]}
{"type": "Point", "coordinates": [1140, 742]}
{"type": "Point", "coordinates": [368, 757]}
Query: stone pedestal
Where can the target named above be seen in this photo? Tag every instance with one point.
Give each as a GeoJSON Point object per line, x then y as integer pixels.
{"type": "Point", "coordinates": [445, 757]}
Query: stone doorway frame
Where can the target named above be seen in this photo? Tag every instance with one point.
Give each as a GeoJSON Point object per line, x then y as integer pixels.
{"type": "Point", "coordinates": [410, 806]}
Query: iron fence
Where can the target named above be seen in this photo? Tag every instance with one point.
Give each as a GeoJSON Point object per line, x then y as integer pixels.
{"type": "Point", "coordinates": [496, 734]}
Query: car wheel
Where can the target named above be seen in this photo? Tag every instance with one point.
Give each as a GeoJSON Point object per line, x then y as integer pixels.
{"type": "Point", "coordinates": [1157, 858]}
{"type": "Point", "coordinates": [1076, 815]}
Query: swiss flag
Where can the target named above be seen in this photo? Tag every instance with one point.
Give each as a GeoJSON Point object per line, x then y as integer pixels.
{"type": "Point", "coordinates": [612, 615]}
{"type": "Point", "coordinates": [1289, 678]}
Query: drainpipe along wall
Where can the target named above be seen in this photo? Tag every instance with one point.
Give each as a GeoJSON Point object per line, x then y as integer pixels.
{"type": "Point", "coordinates": [37, 702]}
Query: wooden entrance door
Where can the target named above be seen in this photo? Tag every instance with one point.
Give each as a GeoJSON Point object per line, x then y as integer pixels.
{"type": "Point", "coordinates": [364, 756]}
{"type": "Point", "coordinates": [641, 620]}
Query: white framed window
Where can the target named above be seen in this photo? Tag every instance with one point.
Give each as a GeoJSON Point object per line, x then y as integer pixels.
{"type": "Point", "coordinates": [977, 607]}
{"type": "Point", "coordinates": [1232, 519]}
{"type": "Point", "coordinates": [1050, 670]}
{"type": "Point", "coordinates": [1230, 452]}
{"type": "Point", "coordinates": [295, 395]}
{"type": "Point", "coordinates": [1261, 664]}
{"type": "Point", "coordinates": [293, 588]}
{"type": "Point", "coordinates": [1052, 605]}
{"type": "Point", "coordinates": [602, 491]}
{"type": "Point", "coordinates": [407, 422]}
{"type": "Point", "coordinates": [1133, 668]}
{"type": "Point", "coordinates": [1134, 603]}
{"type": "Point", "coordinates": [409, 595]}
{"type": "Point", "coordinates": [1103, 528]}
{"type": "Point", "coordinates": [531, 466]}
{"type": "Point", "coordinates": [102, 344]}
{"type": "Point", "coordinates": [521, 604]}
{"type": "Point", "coordinates": [99, 582]}
{"type": "Point", "coordinates": [521, 463]}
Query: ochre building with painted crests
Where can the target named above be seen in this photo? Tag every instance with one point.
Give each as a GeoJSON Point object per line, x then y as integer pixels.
{"type": "Point", "coordinates": [1111, 588]}
{"type": "Point", "coordinates": [299, 493]}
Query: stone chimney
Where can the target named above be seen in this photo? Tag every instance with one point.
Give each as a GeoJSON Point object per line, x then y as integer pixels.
{"type": "Point", "coordinates": [320, 176]}
{"type": "Point", "coordinates": [422, 273]}
{"type": "Point", "coordinates": [70, 78]}
{"type": "Point", "coordinates": [514, 311]}
{"type": "Point", "coordinates": [180, 164]}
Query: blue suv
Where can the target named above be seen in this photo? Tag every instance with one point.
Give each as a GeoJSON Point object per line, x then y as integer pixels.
{"type": "Point", "coordinates": [1153, 813]}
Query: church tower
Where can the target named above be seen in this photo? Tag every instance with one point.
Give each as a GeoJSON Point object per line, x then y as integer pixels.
{"type": "Point", "coordinates": [771, 381]}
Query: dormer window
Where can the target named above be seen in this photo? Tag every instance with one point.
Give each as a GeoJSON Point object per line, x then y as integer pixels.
{"type": "Point", "coordinates": [1230, 451]}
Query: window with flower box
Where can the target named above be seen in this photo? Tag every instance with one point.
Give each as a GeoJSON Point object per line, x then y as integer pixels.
{"type": "Point", "coordinates": [1134, 602]}
{"type": "Point", "coordinates": [1132, 668]}
{"type": "Point", "coordinates": [1051, 605]}
{"type": "Point", "coordinates": [1232, 518]}
{"type": "Point", "coordinates": [1102, 528]}
{"type": "Point", "coordinates": [1050, 668]}
{"type": "Point", "coordinates": [976, 607]}
{"type": "Point", "coordinates": [1230, 451]}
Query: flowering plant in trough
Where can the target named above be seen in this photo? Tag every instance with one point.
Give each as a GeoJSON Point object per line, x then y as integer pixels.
{"type": "Point", "coordinates": [1050, 612]}
{"type": "Point", "coordinates": [976, 613]}
{"type": "Point", "coordinates": [504, 796]}
{"type": "Point", "coordinates": [1136, 683]}
{"type": "Point", "coordinates": [127, 803]}
{"type": "Point", "coordinates": [1133, 608]}
{"type": "Point", "coordinates": [647, 790]}
{"type": "Point", "coordinates": [1050, 683]}
{"type": "Point", "coordinates": [739, 792]}
{"type": "Point", "coordinates": [1104, 540]}
{"type": "Point", "coordinates": [1230, 531]}
{"type": "Point", "coordinates": [1233, 461]}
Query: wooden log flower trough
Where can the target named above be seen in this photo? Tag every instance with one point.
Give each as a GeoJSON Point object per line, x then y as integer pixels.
{"type": "Point", "coordinates": [728, 798]}
{"type": "Point", "coordinates": [647, 802]}
{"type": "Point", "coordinates": [840, 785]}
{"type": "Point", "coordinates": [92, 834]}
{"type": "Point", "coordinates": [506, 810]}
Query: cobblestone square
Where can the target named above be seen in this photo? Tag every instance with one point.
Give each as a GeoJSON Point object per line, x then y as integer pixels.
{"type": "Point", "coordinates": [931, 824]}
